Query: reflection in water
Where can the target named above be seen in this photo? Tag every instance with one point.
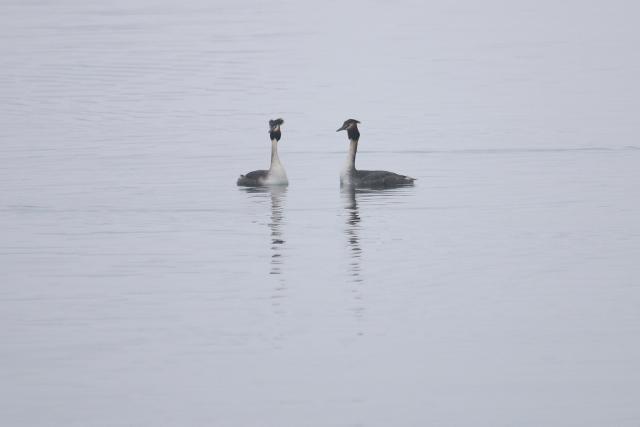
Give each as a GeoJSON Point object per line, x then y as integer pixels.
{"type": "Point", "coordinates": [276, 246]}
{"type": "Point", "coordinates": [277, 194]}
{"type": "Point", "coordinates": [352, 230]}
{"type": "Point", "coordinates": [275, 225]}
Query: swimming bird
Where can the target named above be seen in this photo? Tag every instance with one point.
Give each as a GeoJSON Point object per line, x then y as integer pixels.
{"type": "Point", "coordinates": [276, 174]}
{"type": "Point", "coordinates": [350, 176]}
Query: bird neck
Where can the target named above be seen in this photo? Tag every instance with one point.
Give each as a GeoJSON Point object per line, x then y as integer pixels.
{"type": "Point", "coordinates": [275, 160]}
{"type": "Point", "coordinates": [351, 157]}
{"type": "Point", "coordinates": [275, 134]}
{"type": "Point", "coordinates": [353, 132]}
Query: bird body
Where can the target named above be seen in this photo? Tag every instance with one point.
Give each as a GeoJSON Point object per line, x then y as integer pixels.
{"type": "Point", "coordinates": [375, 179]}
{"type": "Point", "coordinates": [275, 175]}
{"type": "Point", "coordinates": [352, 177]}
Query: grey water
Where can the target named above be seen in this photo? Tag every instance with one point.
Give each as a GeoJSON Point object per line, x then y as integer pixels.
{"type": "Point", "coordinates": [140, 286]}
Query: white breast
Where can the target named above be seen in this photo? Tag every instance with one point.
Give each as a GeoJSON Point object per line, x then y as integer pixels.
{"type": "Point", "coordinates": [346, 176]}
{"type": "Point", "coordinates": [277, 175]}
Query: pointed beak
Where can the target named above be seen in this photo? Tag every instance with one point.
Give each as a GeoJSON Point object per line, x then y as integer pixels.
{"type": "Point", "coordinates": [342, 128]}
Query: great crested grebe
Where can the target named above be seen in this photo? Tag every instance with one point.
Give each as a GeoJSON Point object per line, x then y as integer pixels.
{"type": "Point", "coordinates": [352, 177]}
{"type": "Point", "coordinates": [276, 174]}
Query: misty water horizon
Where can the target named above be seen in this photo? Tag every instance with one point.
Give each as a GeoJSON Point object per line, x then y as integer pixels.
{"type": "Point", "coordinates": [141, 286]}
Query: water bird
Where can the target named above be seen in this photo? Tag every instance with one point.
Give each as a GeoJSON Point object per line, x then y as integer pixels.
{"type": "Point", "coordinates": [352, 177]}
{"type": "Point", "coordinates": [276, 174]}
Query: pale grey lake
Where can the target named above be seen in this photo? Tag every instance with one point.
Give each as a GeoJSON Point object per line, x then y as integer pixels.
{"type": "Point", "coordinates": [139, 286]}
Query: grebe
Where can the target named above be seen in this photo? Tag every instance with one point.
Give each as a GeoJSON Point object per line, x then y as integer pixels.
{"type": "Point", "coordinates": [276, 174]}
{"type": "Point", "coordinates": [352, 177]}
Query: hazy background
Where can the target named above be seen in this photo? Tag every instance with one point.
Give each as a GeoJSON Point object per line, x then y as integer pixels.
{"type": "Point", "coordinates": [140, 286]}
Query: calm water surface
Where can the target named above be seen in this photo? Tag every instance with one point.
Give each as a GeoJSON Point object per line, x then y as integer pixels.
{"type": "Point", "coordinates": [140, 286]}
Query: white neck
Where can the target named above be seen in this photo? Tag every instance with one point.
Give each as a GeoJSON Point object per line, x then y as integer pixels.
{"type": "Point", "coordinates": [275, 160]}
{"type": "Point", "coordinates": [350, 166]}
{"type": "Point", "coordinates": [277, 174]}
{"type": "Point", "coordinates": [346, 177]}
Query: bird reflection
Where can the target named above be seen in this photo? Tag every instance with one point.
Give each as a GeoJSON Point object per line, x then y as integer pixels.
{"type": "Point", "coordinates": [277, 245]}
{"type": "Point", "coordinates": [352, 232]}
{"type": "Point", "coordinates": [277, 241]}
{"type": "Point", "coordinates": [275, 225]}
